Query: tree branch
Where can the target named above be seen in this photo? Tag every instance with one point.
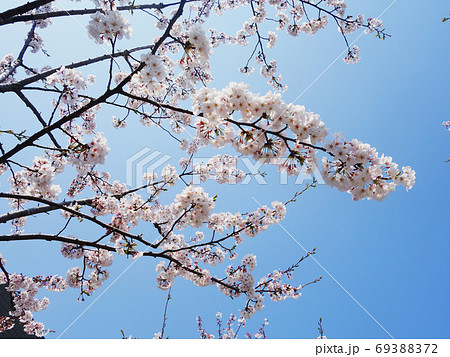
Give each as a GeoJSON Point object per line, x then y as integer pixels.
{"type": "Point", "coordinates": [42, 209]}
{"type": "Point", "coordinates": [38, 116]}
{"type": "Point", "coordinates": [54, 14]}
{"type": "Point", "coordinates": [19, 59]}
{"type": "Point", "coordinates": [20, 84]}
{"type": "Point", "coordinates": [78, 214]}
{"type": "Point", "coordinates": [83, 202]}
{"type": "Point", "coordinates": [53, 237]}
{"type": "Point", "coordinates": [4, 16]}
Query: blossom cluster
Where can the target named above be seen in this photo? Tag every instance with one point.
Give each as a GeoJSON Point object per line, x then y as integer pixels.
{"type": "Point", "coordinates": [72, 82]}
{"type": "Point", "coordinates": [357, 168]}
{"type": "Point", "coordinates": [169, 174]}
{"type": "Point", "coordinates": [147, 83]}
{"type": "Point", "coordinates": [195, 204]}
{"type": "Point", "coordinates": [194, 63]}
{"type": "Point", "coordinates": [108, 25]}
{"type": "Point", "coordinates": [215, 109]}
{"type": "Point", "coordinates": [347, 27]}
{"type": "Point", "coordinates": [108, 4]}
{"type": "Point", "coordinates": [198, 45]}
{"type": "Point", "coordinates": [374, 24]}
{"type": "Point", "coordinates": [309, 27]}
{"type": "Point", "coordinates": [195, 48]}
{"type": "Point", "coordinates": [154, 68]}
{"type": "Point", "coordinates": [241, 280]}
{"type": "Point", "coordinates": [85, 155]}
{"type": "Point", "coordinates": [37, 180]}
{"type": "Point", "coordinates": [222, 167]}
{"type": "Point", "coordinates": [227, 330]}
{"type": "Point", "coordinates": [95, 260]}
{"type": "Point", "coordinates": [97, 182]}
{"type": "Point", "coordinates": [352, 55]}
{"type": "Point", "coordinates": [189, 253]}
{"type": "Point", "coordinates": [23, 290]}
{"type": "Point", "coordinates": [5, 65]}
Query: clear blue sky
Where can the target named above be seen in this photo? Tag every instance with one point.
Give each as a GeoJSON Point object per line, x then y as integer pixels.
{"type": "Point", "coordinates": [391, 257]}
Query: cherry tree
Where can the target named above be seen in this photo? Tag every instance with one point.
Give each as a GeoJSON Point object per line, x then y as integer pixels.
{"type": "Point", "coordinates": [167, 83]}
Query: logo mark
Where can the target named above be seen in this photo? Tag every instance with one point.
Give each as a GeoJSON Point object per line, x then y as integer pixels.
{"type": "Point", "coordinates": [144, 161]}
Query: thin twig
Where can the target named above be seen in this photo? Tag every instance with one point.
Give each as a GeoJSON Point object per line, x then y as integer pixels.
{"type": "Point", "coordinates": [169, 297]}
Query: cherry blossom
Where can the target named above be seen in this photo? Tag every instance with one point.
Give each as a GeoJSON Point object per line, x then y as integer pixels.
{"type": "Point", "coordinates": [108, 26]}
{"type": "Point", "coordinates": [167, 84]}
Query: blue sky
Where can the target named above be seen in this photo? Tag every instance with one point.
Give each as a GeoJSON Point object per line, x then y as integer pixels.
{"type": "Point", "coordinates": [386, 263]}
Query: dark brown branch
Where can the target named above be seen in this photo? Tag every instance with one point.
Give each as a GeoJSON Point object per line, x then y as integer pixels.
{"type": "Point", "coordinates": [77, 214]}
{"type": "Point", "coordinates": [54, 14]}
{"type": "Point", "coordinates": [275, 133]}
{"type": "Point", "coordinates": [312, 282]}
{"type": "Point", "coordinates": [212, 242]}
{"type": "Point", "coordinates": [20, 84]}
{"type": "Point", "coordinates": [38, 116]}
{"type": "Point", "coordinates": [19, 59]}
{"type": "Point", "coordinates": [4, 16]}
{"type": "Point", "coordinates": [83, 202]}
{"type": "Point", "coordinates": [294, 198]}
{"type": "Point", "coordinates": [172, 21]}
{"type": "Point", "coordinates": [53, 237]}
{"type": "Point", "coordinates": [166, 235]}
{"type": "Point", "coordinates": [157, 104]}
